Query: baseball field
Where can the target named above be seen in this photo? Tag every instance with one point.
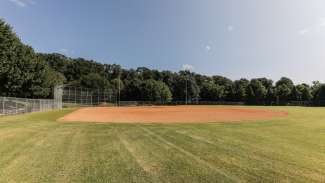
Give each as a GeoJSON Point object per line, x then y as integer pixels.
{"type": "Point", "coordinates": [141, 144]}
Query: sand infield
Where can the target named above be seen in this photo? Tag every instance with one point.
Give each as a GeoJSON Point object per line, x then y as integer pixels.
{"type": "Point", "coordinates": [170, 114]}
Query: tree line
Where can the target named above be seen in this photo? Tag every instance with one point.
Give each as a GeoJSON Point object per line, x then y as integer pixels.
{"type": "Point", "coordinates": [25, 73]}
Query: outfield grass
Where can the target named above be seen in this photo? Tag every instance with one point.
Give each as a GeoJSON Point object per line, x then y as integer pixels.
{"type": "Point", "coordinates": [35, 148]}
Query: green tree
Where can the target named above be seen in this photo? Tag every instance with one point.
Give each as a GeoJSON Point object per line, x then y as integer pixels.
{"type": "Point", "coordinates": [240, 89]}
{"type": "Point", "coordinates": [270, 96]}
{"type": "Point", "coordinates": [211, 92]}
{"type": "Point", "coordinates": [283, 92]}
{"type": "Point", "coordinates": [267, 83]}
{"type": "Point", "coordinates": [256, 92]}
{"type": "Point", "coordinates": [315, 88]}
{"type": "Point", "coordinates": [153, 90]}
{"type": "Point", "coordinates": [22, 72]}
{"type": "Point", "coordinates": [94, 80]}
{"type": "Point", "coordinates": [185, 83]}
{"type": "Point", "coordinates": [227, 84]}
{"type": "Point", "coordinates": [165, 93]}
{"type": "Point", "coordinates": [132, 90]}
{"type": "Point", "coordinates": [320, 96]}
{"type": "Point", "coordinates": [284, 88]}
{"type": "Point", "coordinates": [285, 81]}
{"type": "Point", "coordinates": [304, 92]}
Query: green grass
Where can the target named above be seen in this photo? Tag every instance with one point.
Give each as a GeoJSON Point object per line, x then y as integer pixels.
{"type": "Point", "coordinates": [35, 148]}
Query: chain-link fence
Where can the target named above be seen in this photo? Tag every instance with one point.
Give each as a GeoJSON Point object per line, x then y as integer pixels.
{"type": "Point", "coordinates": [71, 96]}
{"type": "Point", "coordinates": [12, 106]}
{"type": "Point", "coordinates": [149, 103]}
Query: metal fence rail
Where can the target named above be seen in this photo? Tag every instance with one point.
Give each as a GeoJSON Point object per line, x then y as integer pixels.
{"type": "Point", "coordinates": [144, 103]}
{"type": "Point", "coordinates": [13, 106]}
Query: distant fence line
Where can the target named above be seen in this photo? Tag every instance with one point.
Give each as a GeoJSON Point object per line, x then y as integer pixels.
{"type": "Point", "coordinates": [289, 103]}
{"type": "Point", "coordinates": [74, 96]}
{"type": "Point", "coordinates": [13, 106]}
{"type": "Point", "coordinates": [143, 103]}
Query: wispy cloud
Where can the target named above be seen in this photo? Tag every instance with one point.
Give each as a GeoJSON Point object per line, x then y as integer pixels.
{"type": "Point", "coordinates": [31, 2]}
{"type": "Point", "coordinates": [208, 48]}
{"type": "Point", "coordinates": [303, 31]}
{"type": "Point", "coordinates": [230, 28]}
{"type": "Point", "coordinates": [315, 28]}
{"type": "Point", "coordinates": [66, 51]}
{"type": "Point", "coordinates": [63, 50]}
{"type": "Point", "coordinates": [187, 67]}
{"type": "Point", "coordinates": [23, 3]}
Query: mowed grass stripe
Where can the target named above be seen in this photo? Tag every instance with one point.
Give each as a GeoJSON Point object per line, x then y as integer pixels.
{"type": "Point", "coordinates": [48, 149]}
{"type": "Point", "coordinates": [215, 159]}
{"type": "Point", "coordinates": [194, 157]}
{"type": "Point", "coordinates": [266, 156]}
{"type": "Point", "coordinates": [163, 160]}
{"type": "Point", "coordinates": [233, 148]}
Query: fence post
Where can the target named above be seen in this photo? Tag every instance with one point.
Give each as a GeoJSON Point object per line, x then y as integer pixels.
{"type": "Point", "coordinates": [98, 96]}
{"type": "Point", "coordinates": [25, 107]}
{"type": "Point", "coordinates": [3, 105]}
{"type": "Point", "coordinates": [69, 99]}
{"type": "Point", "coordinates": [91, 99]}
{"type": "Point", "coordinates": [87, 102]}
{"type": "Point", "coordinates": [75, 95]}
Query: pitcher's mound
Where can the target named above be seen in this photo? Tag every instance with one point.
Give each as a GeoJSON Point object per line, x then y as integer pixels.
{"type": "Point", "coordinates": [170, 114]}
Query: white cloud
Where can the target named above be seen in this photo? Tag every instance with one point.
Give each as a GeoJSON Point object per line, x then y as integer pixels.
{"type": "Point", "coordinates": [187, 67]}
{"type": "Point", "coordinates": [23, 3]}
{"type": "Point", "coordinates": [315, 28]}
{"type": "Point", "coordinates": [230, 28]}
{"type": "Point", "coordinates": [31, 2]}
{"type": "Point", "coordinates": [18, 3]}
{"type": "Point", "coordinates": [66, 51]}
{"type": "Point", "coordinates": [303, 32]}
{"type": "Point", "coordinates": [208, 48]}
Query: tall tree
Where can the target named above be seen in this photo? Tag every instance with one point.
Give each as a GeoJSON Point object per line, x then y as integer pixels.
{"type": "Point", "coordinates": [240, 89]}
{"type": "Point", "coordinates": [185, 85]}
{"type": "Point", "coordinates": [320, 96]}
{"type": "Point", "coordinates": [284, 88]}
{"type": "Point", "coordinates": [211, 92]}
{"type": "Point", "coordinates": [94, 80]}
{"type": "Point", "coordinates": [256, 92]}
{"type": "Point", "coordinates": [153, 90]}
{"type": "Point", "coordinates": [22, 72]}
{"type": "Point", "coordinates": [227, 84]}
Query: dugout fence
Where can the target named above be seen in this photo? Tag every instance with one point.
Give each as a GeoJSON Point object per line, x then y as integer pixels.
{"type": "Point", "coordinates": [80, 96]}
{"type": "Point", "coordinates": [13, 106]}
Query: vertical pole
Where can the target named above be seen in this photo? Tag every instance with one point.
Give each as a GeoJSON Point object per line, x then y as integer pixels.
{"type": "Point", "coordinates": [75, 95]}
{"type": "Point", "coordinates": [98, 96]}
{"type": "Point", "coordinates": [91, 98]}
{"type": "Point", "coordinates": [186, 91]}
{"type": "Point", "coordinates": [81, 101]}
{"type": "Point", "coordinates": [104, 97]}
{"type": "Point", "coordinates": [69, 99]}
{"type": "Point", "coordinates": [3, 105]}
{"type": "Point", "coordinates": [87, 103]}
{"type": "Point", "coordinates": [16, 108]}
{"type": "Point", "coordinates": [119, 90]}
{"type": "Point", "coordinates": [26, 106]}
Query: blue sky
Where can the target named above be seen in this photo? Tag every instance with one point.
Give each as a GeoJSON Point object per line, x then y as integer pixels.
{"type": "Point", "coordinates": [250, 38]}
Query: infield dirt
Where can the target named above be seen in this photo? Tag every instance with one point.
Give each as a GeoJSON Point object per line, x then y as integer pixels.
{"type": "Point", "coordinates": [170, 114]}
